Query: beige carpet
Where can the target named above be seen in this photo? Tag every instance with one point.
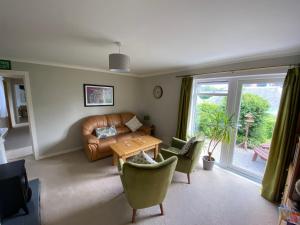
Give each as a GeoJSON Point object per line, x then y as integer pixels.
{"type": "Point", "coordinates": [77, 192]}
{"type": "Point", "coordinates": [17, 138]}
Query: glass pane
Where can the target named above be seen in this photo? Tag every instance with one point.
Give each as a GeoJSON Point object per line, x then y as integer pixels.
{"type": "Point", "coordinates": [206, 106]}
{"type": "Point", "coordinates": [258, 111]}
{"type": "Point", "coordinates": [212, 88]}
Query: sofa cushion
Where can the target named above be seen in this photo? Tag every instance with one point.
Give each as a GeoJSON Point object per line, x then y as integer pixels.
{"type": "Point", "coordinates": [123, 137]}
{"type": "Point", "coordinates": [104, 144]}
{"type": "Point", "coordinates": [122, 130]}
{"type": "Point", "coordinates": [125, 117]}
{"type": "Point", "coordinates": [134, 124]}
{"type": "Point", "coordinates": [114, 120]}
{"type": "Point", "coordinates": [142, 158]}
{"type": "Point", "coordinates": [105, 132]}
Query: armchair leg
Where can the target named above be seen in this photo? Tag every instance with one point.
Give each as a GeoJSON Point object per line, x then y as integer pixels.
{"type": "Point", "coordinates": [161, 209]}
{"type": "Point", "coordinates": [133, 215]}
{"type": "Point", "coordinates": [189, 179]}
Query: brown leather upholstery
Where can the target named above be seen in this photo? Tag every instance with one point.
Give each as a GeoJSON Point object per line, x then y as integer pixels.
{"type": "Point", "coordinates": [99, 148]}
{"type": "Point", "coordinates": [122, 130]}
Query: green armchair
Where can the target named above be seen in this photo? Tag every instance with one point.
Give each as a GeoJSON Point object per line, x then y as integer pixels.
{"type": "Point", "coordinates": [146, 185]}
{"type": "Point", "coordinates": [186, 163]}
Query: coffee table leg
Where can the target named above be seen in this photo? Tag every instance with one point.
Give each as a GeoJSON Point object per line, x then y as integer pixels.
{"type": "Point", "coordinates": [115, 159]}
{"type": "Point", "coordinates": [155, 151]}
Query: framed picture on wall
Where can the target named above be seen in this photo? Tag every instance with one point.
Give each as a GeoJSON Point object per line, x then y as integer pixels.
{"type": "Point", "coordinates": [98, 95]}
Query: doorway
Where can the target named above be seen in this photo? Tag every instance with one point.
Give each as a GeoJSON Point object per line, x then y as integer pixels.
{"type": "Point", "coordinates": [16, 120]}
{"type": "Point", "coordinates": [254, 102]}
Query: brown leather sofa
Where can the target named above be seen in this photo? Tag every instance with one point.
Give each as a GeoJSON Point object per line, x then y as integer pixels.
{"type": "Point", "coordinates": [99, 148]}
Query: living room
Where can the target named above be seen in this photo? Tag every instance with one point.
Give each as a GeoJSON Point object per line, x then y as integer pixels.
{"type": "Point", "coordinates": [180, 63]}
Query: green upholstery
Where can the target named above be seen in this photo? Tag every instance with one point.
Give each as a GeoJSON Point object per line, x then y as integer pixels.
{"type": "Point", "coordinates": [186, 163]}
{"type": "Point", "coordinates": [146, 185]}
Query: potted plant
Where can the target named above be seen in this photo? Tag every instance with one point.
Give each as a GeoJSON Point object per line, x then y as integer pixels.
{"type": "Point", "coordinates": [219, 130]}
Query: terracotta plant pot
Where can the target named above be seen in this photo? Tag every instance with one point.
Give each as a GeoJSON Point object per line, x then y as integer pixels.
{"type": "Point", "coordinates": [208, 165]}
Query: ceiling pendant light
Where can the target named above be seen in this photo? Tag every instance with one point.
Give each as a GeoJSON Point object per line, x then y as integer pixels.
{"type": "Point", "coordinates": [119, 62]}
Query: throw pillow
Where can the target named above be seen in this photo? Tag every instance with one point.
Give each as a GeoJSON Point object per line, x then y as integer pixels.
{"type": "Point", "coordinates": [134, 124]}
{"type": "Point", "coordinates": [105, 132]}
{"type": "Point", "coordinates": [187, 146]}
{"type": "Point", "coordinates": [142, 158]}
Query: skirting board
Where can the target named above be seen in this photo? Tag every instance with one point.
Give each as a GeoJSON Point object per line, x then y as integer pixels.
{"type": "Point", "coordinates": [60, 152]}
{"type": "Point", "coordinates": [19, 152]}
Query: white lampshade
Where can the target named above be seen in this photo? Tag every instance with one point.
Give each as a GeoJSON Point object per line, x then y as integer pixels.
{"type": "Point", "coordinates": [119, 62]}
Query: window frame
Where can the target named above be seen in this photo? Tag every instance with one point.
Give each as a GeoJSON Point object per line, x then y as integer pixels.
{"type": "Point", "coordinates": [192, 125]}
{"type": "Point", "coordinates": [233, 106]}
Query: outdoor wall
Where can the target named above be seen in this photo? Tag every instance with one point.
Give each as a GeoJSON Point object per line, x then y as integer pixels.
{"type": "Point", "coordinates": [58, 103]}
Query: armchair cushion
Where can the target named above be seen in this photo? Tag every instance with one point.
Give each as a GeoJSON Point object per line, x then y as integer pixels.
{"type": "Point", "coordinates": [121, 162]}
{"type": "Point", "coordinates": [187, 162]}
{"type": "Point", "coordinates": [198, 144]}
{"type": "Point", "coordinates": [177, 143]}
{"type": "Point", "coordinates": [184, 150]}
{"type": "Point", "coordinates": [142, 158]}
{"type": "Point", "coordinates": [147, 185]}
{"type": "Point", "coordinates": [171, 150]}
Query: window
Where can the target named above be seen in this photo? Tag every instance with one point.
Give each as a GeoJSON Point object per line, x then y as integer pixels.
{"type": "Point", "coordinates": [207, 98]}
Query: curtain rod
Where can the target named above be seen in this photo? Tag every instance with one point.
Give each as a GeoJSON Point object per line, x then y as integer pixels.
{"type": "Point", "coordinates": [240, 70]}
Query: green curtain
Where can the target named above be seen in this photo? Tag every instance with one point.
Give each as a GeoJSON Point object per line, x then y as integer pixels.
{"type": "Point", "coordinates": [184, 106]}
{"type": "Point", "coordinates": [282, 145]}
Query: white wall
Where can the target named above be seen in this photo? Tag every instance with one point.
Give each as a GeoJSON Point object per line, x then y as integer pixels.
{"type": "Point", "coordinates": [164, 111]}
{"type": "Point", "coordinates": [58, 105]}
{"type": "Point", "coordinates": [57, 95]}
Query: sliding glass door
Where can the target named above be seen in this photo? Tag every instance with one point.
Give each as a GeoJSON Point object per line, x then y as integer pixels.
{"type": "Point", "coordinates": [254, 103]}
{"type": "Point", "coordinates": [257, 107]}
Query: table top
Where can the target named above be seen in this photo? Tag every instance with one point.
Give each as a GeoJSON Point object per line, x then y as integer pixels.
{"type": "Point", "coordinates": [135, 144]}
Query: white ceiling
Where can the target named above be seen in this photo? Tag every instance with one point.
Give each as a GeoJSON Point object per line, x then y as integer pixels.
{"type": "Point", "coordinates": [158, 35]}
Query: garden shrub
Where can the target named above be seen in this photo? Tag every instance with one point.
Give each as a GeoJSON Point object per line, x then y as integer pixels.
{"type": "Point", "coordinates": [260, 131]}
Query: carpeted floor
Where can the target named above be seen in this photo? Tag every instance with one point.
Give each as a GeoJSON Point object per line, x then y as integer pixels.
{"type": "Point", "coordinates": [18, 137]}
{"type": "Point", "coordinates": [77, 192]}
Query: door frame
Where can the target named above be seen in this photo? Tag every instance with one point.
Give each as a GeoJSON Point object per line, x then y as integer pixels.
{"type": "Point", "coordinates": [233, 106]}
{"type": "Point", "coordinates": [32, 127]}
{"type": "Point", "coordinates": [236, 108]}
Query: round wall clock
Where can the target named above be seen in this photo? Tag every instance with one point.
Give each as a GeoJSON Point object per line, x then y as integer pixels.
{"type": "Point", "coordinates": [157, 92]}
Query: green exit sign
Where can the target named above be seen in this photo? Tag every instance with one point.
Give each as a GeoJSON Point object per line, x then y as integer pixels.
{"type": "Point", "coordinates": [5, 64]}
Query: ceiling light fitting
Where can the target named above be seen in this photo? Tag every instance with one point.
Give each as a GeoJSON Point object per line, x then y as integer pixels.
{"type": "Point", "coordinates": [119, 62]}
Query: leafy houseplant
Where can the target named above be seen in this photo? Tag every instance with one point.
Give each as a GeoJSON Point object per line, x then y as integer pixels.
{"type": "Point", "coordinates": [219, 130]}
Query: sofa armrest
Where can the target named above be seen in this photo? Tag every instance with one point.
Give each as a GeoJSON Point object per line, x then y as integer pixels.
{"type": "Point", "coordinates": [177, 143]}
{"type": "Point", "coordinates": [91, 139]}
{"type": "Point", "coordinates": [145, 129]}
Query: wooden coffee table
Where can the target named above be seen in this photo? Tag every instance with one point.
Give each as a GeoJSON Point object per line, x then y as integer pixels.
{"type": "Point", "coordinates": [127, 148]}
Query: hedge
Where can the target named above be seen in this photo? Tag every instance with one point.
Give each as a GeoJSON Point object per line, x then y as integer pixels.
{"type": "Point", "coordinates": [260, 131]}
